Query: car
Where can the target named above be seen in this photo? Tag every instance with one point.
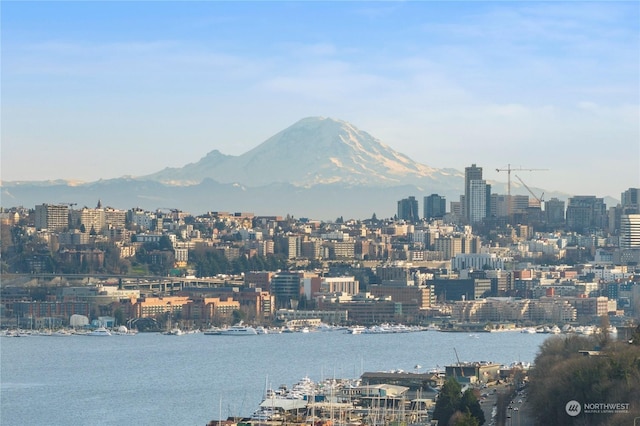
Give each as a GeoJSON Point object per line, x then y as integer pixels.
{"type": "Point", "coordinates": [519, 401]}
{"type": "Point", "coordinates": [515, 409]}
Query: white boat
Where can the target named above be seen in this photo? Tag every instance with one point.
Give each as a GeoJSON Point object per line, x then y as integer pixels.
{"type": "Point", "coordinates": [174, 332]}
{"type": "Point", "coordinates": [238, 330]}
{"type": "Point", "coordinates": [213, 331]}
{"type": "Point", "coordinates": [356, 329]}
{"type": "Point", "coordinates": [100, 331]}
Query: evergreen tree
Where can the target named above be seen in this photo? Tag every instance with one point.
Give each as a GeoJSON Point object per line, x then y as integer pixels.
{"type": "Point", "coordinates": [470, 403]}
{"type": "Point", "coordinates": [448, 401]}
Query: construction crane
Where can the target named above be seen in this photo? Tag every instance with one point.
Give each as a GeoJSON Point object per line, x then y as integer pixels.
{"type": "Point", "coordinates": [509, 170]}
{"type": "Point", "coordinates": [540, 199]}
{"type": "Point", "coordinates": [459, 364]}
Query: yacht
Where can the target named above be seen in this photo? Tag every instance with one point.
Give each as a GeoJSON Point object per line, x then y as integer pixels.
{"type": "Point", "coordinates": [238, 330]}
{"type": "Point", "coordinates": [100, 331]}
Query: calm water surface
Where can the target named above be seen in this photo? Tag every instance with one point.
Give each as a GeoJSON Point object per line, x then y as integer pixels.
{"type": "Point", "coordinates": [153, 379]}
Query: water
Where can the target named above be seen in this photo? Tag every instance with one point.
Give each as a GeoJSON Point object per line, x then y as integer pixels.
{"type": "Point", "coordinates": [192, 379]}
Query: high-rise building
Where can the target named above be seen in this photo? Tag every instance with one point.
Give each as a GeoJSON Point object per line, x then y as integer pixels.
{"type": "Point", "coordinates": [630, 231]}
{"type": "Point", "coordinates": [554, 212]}
{"type": "Point", "coordinates": [286, 287]}
{"type": "Point", "coordinates": [471, 174]}
{"type": "Point", "coordinates": [630, 201]}
{"type": "Point", "coordinates": [408, 209]}
{"type": "Point", "coordinates": [435, 207]}
{"type": "Point", "coordinates": [52, 217]}
{"type": "Point", "coordinates": [476, 202]}
{"type": "Point", "coordinates": [586, 212]}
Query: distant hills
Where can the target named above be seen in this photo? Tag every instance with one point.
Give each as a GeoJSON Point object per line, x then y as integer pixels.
{"type": "Point", "coordinates": [319, 167]}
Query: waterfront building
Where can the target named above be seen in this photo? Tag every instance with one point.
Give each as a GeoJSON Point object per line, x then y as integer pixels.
{"type": "Point", "coordinates": [423, 296]}
{"type": "Point", "coordinates": [287, 289]}
{"type": "Point", "coordinates": [154, 306]}
{"type": "Point", "coordinates": [338, 316]}
{"type": "Point", "coordinates": [473, 372]}
{"type": "Point", "coordinates": [460, 289]}
{"type": "Point", "coordinates": [347, 285]}
{"type": "Point", "coordinates": [590, 307]}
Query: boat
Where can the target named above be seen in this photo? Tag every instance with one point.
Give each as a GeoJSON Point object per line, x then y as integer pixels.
{"type": "Point", "coordinates": [356, 329]}
{"type": "Point", "coordinates": [174, 332]}
{"type": "Point", "coordinates": [238, 330]}
{"type": "Point", "coordinates": [213, 331]}
{"type": "Point", "coordinates": [100, 331]}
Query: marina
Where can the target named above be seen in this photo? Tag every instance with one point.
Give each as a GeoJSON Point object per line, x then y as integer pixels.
{"type": "Point", "coordinates": [154, 379]}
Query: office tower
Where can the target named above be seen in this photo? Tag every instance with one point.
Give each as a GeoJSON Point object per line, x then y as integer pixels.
{"type": "Point", "coordinates": [435, 207]}
{"type": "Point", "coordinates": [630, 201]}
{"type": "Point", "coordinates": [630, 231]}
{"type": "Point", "coordinates": [408, 209]}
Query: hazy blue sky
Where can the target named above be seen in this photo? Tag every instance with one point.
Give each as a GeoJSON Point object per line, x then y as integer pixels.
{"type": "Point", "coordinates": [96, 90]}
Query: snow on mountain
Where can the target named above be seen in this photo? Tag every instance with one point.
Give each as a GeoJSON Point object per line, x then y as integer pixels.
{"type": "Point", "coordinates": [313, 151]}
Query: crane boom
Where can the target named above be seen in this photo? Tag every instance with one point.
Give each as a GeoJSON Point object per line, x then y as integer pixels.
{"type": "Point", "coordinates": [540, 199]}
{"type": "Point", "coordinates": [509, 169]}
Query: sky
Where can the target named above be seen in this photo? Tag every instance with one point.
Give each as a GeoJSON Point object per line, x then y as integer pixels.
{"type": "Point", "coordinates": [98, 90]}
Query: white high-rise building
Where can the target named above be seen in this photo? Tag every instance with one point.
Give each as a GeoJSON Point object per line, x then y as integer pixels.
{"type": "Point", "coordinates": [630, 231]}
{"type": "Point", "coordinates": [477, 201]}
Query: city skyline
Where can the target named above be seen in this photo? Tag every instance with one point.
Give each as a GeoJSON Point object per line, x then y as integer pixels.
{"type": "Point", "coordinates": [95, 90]}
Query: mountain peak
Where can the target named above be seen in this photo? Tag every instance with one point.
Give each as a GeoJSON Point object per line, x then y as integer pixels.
{"type": "Point", "coordinates": [314, 150]}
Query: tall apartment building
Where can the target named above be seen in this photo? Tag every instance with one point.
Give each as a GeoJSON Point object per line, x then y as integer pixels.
{"type": "Point", "coordinates": [92, 219]}
{"type": "Point", "coordinates": [586, 212]}
{"type": "Point", "coordinates": [435, 207]}
{"type": "Point", "coordinates": [477, 195]}
{"type": "Point", "coordinates": [408, 209]}
{"type": "Point", "coordinates": [52, 217]}
{"type": "Point", "coordinates": [471, 174]}
{"type": "Point", "coordinates": [554, 212]}
{"type": "Point", "coordinates": [630, 231]}
{"type": "Point", "coordinates": [114, 218]}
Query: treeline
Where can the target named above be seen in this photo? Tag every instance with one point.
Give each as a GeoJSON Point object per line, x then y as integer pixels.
{"type": "Point", "coordinates": [609, 374]}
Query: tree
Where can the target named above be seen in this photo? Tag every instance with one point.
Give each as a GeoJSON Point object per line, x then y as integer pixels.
{"type": "Point", "coordinates": [470, 404]}
{"type": "Point", "coordinates": [448, 401]}
{"type": "Point", "coordinates": [463, 419]}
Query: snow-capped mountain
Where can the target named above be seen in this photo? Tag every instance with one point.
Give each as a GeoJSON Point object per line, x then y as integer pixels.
{"type": "Point", "coordinates": [318, 167]}
{"type": "Point", "coordinates": [313, 151]}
